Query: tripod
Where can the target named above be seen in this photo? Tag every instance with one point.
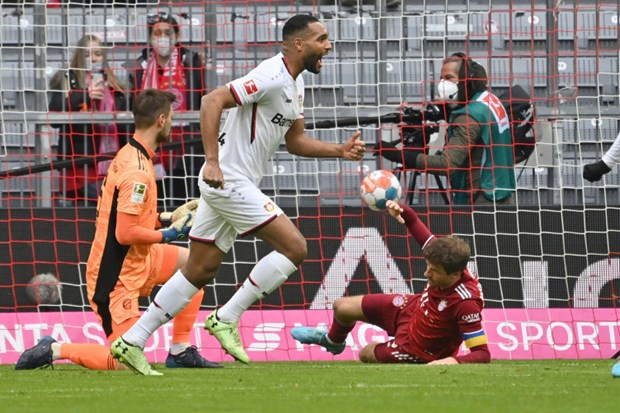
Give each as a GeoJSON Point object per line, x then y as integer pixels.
{"type": "Point", "coordinates": [412, 184]}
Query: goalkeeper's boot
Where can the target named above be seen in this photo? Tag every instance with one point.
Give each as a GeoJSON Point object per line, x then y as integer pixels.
{"type": "Point", "coordinates": [308, 335]}
{"type": "Point", "coordinates": [228, 336]}
{"type": "Point", "coordinates": [40, 355]}
{"type": "Point", "coordinates": [133, 357]}
{"type": "Point", "coordinates": [190, 358]}
{"type": "Point", "coordinates": [615, 370]}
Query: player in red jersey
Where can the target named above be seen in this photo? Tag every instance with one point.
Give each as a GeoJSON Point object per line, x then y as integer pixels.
{"type": "Point", "coordinates": [427, 327]}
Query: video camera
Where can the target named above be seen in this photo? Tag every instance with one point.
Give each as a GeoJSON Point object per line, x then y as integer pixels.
{"type": "Point", "coordinates": [418, 125]}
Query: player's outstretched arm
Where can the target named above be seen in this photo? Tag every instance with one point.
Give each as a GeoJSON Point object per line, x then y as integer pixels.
{"type": "Point", "coordinates": [593, 172]}
{"type": "Point", "coordinates": [300, 144]}
{"type": "Point", "coordinates": [405, 215]}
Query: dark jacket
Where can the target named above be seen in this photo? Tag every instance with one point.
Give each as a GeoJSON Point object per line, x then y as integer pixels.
{"type": "Point", "coordinates": [76, 139]}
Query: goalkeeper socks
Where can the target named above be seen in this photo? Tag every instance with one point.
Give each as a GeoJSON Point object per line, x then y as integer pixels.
{"type": "Point", "coordinates": [169, 301]}
{"type": "Point", "coordinates": [91, 356]}
{"type": "Point", "coordinates": [184, 321]}
{"type": "Point", "coordinates": [266, 276]}
{"type": "Point", "coordinates": [339, 331]}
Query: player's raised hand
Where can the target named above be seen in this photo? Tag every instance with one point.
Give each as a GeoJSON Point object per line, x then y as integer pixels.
{"type": "Point", "coordinates": [593, 172]}
{"type": "Point", "coordinates": [354, 148]}
{"type": "Point", "coordinates": [212, 176]}
{"type": "Point", "coordinates": [395, 210]}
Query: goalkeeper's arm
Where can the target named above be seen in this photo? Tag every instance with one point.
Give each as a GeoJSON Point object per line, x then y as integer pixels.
{"type": "Point", "coordinates": [130, 232]}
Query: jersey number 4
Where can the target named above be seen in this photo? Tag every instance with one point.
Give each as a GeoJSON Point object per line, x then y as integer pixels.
{"type": "Point", "coordinates": [221, 139]}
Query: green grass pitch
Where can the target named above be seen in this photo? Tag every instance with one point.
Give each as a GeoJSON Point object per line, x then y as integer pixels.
{"type": "Point", "coordinates": [502, 386]}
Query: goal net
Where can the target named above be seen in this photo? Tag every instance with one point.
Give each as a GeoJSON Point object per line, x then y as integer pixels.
{"type": "Point", "coordinates": [547, 260]}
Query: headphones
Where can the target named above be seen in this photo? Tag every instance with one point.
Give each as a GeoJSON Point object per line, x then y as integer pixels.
{"type": "Point", "coordinates": [469, 72]}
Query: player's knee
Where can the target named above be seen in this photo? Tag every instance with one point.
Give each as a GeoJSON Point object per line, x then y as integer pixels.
{"type": "Point", "coordinates": [346, 309]}
{"type": "Point", "coordinates": [200, 272]}
{"type": "Point", "coordinates": [340, 306]}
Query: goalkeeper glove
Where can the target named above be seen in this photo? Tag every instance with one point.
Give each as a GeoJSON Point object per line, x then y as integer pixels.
{"type": "Point", "coordinates": [179, 229]}
{"type": "Point", "coordinates": [594, 171]}
{"type": "Point", "coordinates": [167, 218]}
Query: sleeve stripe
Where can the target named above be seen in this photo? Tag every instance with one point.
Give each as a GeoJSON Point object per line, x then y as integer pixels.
{"type": "Point", "coordinates": [474, 334]}
{"type": "Point", "coordinates": [234, 94]}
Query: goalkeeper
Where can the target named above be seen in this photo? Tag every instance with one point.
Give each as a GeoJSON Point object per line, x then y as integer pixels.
{"type": "Point", "coordinates": [129, 256]}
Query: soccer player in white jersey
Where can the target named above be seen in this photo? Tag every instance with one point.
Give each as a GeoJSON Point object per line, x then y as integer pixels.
{"type": "Point", "coordinates": [267, 106]}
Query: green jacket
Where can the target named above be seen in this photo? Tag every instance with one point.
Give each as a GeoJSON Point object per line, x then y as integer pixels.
{"type": "Point", "coordinates": [497, 179]}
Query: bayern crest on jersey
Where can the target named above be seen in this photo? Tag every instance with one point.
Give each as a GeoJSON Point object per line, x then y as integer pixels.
{"type": "Point", "coordinates": [398, 301]}
{"type": "Point", "coordinates": [442, 305]}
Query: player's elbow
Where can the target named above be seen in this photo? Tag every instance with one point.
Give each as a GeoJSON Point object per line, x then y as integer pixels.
{"type": "Point", "coordinates": [122, 237]}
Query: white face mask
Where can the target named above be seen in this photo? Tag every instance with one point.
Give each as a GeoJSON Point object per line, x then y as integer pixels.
{"type": "Point", "coordinates": [163, 46]}
{"type": "Point", "coordinates": [448, 90]}
{"type": "Point", "coordinates": [94, 67]}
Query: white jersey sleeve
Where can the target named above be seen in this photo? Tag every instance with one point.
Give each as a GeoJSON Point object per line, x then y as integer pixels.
{"type": "Point", "coordinates": [612, 156]}
{"type": "Point", "coordinates": [269, 101]}
{"type": "Point", "coordinates": [256, 85]}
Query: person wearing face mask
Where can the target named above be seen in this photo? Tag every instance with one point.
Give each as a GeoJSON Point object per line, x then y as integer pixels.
{"type": "Point", "coordinates": [166, 65]}
{"type": "Point", "coordinates": [478, 156]}
{"type": "Point", "coordinates": [87, 85]}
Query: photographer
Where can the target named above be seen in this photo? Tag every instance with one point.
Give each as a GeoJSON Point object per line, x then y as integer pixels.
{"type": "Point", "coordinates": [478, 156]}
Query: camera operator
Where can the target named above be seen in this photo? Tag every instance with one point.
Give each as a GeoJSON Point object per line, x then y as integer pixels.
{"type": "Point", "coordinates": [478, 156]}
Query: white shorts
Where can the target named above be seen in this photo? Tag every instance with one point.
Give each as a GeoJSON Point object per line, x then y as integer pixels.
{"type": "Point", "coordinates": [222, 214]}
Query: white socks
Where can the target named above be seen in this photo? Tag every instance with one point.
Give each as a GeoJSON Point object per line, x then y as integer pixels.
{"type": "Point", "coordinates": [178, 348]}
{"type": "Point", "coordinates": [173, 296]}
{"type": "Point", "coordinates": [266, 276]}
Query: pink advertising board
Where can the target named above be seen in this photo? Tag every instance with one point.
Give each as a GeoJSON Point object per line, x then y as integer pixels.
{"type": "Point", "coordinates": [512, 333]}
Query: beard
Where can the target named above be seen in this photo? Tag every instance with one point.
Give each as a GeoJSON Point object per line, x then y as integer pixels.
{"type": "Point", "coordinates": [311, 64]}
{"type": "Point", "coordinates": [163, 136]}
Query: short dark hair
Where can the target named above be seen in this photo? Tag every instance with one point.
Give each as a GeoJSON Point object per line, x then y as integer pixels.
{"type": "Point", "coordinates": [149, 104]}
{"type": "Point", "coordinates": [296, 24]}
{"type": "Point", "coordinates": [451, 252]}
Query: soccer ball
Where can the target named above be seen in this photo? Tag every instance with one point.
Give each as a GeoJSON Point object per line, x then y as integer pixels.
{"type": "Point", "coordinates": [378, 187]}
{"type": "Point", "coordinates": [44, 289]}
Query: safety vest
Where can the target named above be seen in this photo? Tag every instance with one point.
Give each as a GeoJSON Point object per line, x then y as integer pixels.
{"type": "Point", "coordinates": [497, 178]}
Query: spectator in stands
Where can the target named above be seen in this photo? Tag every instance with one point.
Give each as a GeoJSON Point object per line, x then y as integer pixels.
{"type": "Point", "coordinates": [594, 171]}
{"type": "Point", "coordinates": [88, 85]}
{"type": "Point", "coordinates": [166, 65]}
{"type": "Point", "coordinates": [129, 256]}
{"type": "Point", "coordinates": [478, 157]}
{"type": "Point", "coordinates": [428, 327]}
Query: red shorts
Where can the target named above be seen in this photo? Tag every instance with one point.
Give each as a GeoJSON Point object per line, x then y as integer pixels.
{"type": "Point", "coordinates": [392, 313]}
